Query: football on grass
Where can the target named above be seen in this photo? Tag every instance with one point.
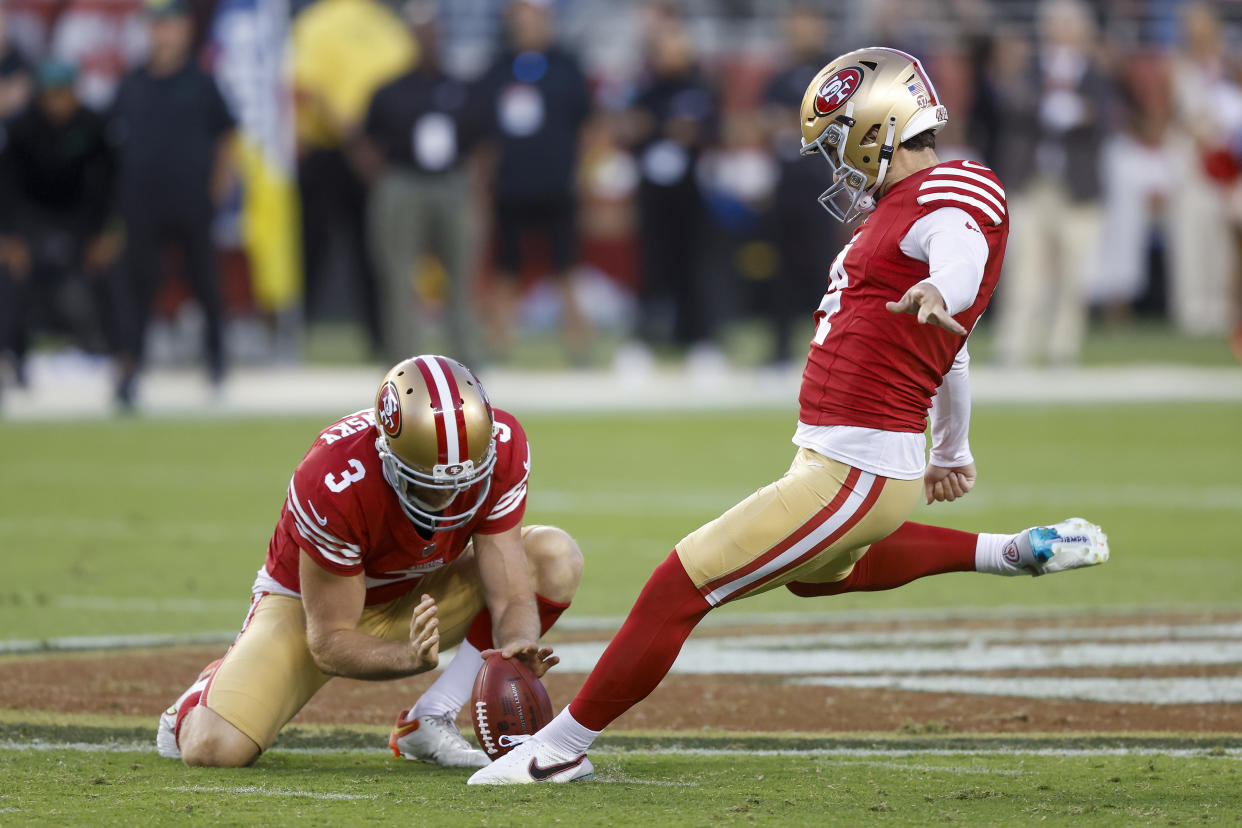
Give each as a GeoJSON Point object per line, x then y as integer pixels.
{"type": "Point", "coordinates": [507, 701]}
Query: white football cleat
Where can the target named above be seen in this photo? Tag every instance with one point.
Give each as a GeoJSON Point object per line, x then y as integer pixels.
{"type": "Point", "coordinates": [165, 735]}
{"type": "Point", "coordinates": [533, 761]}
{"type": "Point", "coordinates": [1070, 544]}
{"type": "Point", "coordinates": [434, 739]}
{"type": "Point", "coordinates": [166, 730]}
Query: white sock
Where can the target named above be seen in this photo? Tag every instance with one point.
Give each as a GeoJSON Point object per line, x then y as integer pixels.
{"type": "Point", "coordinates": [1000, 554]}
{"type": "Point", "coordinates": [452, 689]}
{"type": "Point", "coordinates": [568, 738]}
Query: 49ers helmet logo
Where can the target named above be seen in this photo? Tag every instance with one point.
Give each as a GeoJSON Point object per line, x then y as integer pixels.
{"type": "Point", "coordinates": [837, 89]}
{"type": "Point", "coordinates": [388, 410]}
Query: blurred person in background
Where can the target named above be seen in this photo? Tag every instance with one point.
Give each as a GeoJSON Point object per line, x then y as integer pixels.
{"type": "Point", "coordinates": [174, 132]}
{"type": "Point", "coordinates": [1208, 101]}
{"type": "Point", "coordinates": [1049, 157]}
{"type": "Point", "coordinates": [419, 133]}
{"type": "Point", "coordinates": [14, 75]}
{"type": "Point", "coordinates": [57, 174]}
{"type": "Point", "coordinates": [104, 39]}
{"type": "Point", "coordinates": [536, 101]}
{"type": "Point", "coordinates": [1138, 179]}
{"type": "Point", "coordinates": [802, 241]}
{"type": "Point", "coordinates": [343, 51]}
{"type": "Point", "coordinates": [999, 63]}
{"type": "Point", "coordinates": [673, 118]}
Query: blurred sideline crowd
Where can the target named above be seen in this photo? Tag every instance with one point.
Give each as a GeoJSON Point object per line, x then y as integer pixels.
{"type": "Point", "coordinates": [216, 174]}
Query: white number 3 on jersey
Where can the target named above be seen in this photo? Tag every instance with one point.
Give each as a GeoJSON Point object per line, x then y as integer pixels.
{"type": "Point", "coordinates": [353, 474]}
{"type": "Point", "coordinates": [831, 303]}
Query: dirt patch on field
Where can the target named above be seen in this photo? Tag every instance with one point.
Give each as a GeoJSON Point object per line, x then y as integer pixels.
{"type": "Point", "coordinates": [144, 683]}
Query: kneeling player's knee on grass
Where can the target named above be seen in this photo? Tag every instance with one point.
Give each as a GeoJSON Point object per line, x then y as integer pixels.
{"type": "Point", "coordinates": [215, 752]}
{"type": "Point", "coordinates": [555, 563]}
{"type": "Point", "coordinates": [214, 743]}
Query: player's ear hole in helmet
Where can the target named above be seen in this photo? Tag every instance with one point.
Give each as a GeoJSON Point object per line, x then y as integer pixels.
{"type": "Point", "coordinates": [435, 440]}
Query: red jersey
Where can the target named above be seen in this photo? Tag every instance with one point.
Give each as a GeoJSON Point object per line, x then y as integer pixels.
{"type": "Point", "coordinates": [875, 369]}
{"type": "Point", "coordinates": [341, 511]}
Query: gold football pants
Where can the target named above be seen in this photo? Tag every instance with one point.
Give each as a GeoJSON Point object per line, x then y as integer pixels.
{"type": "Point", "coordinates": [811, 525]}
{"type": "Point", "coordinates": [268, 674]}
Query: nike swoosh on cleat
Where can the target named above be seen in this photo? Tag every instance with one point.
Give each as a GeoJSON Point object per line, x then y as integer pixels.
{"type": "Point", "coordinates": [540, 774]}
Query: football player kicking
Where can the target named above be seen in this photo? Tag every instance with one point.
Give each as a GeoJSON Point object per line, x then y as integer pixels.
{"type": "Point", "coordinates": [400, 534]}
{"type": "Point", "coordinates": [890, 343]}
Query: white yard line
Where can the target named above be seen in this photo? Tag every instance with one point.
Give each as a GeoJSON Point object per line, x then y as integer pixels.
{"type": "Point", "coordinates": [962, 769]}
{"type": "Point", "coordinates": [1000, 750]}
{"type": "Point", "coordinates": [715, 656]}
{"type": "Point", "coordinates": [1084, 630]}
{"type": "Point", "coordinates": [621, 779]}
{"type": "Point", "coordinates": [284, 390]}
{"type": "Point", "coordinates": [112, 642]}
{"type": "Point", "coordinates": [1196, 690]}
{"type": "Point", "coordinates": [255, 790]}
{"type": "Point", "coordinates": [1232, 753]}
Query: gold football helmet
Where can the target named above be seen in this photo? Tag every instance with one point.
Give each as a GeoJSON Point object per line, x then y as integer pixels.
{"type": "Point", "coordinates": [435, 438]}
{"type": "Point", "coordinates": [873, 88]}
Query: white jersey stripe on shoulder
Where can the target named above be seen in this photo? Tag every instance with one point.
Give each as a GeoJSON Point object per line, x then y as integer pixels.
{"type": "Point", "coordinates": [323, 537]}
{"type": "Point", "coordinates": [974, 176]}
{"type": "Point", "coordinates": [513, 498]}
{"type": "Point", "coordinates": [327, 553]}
{"type": "Point", "coordinates": [300, 515]}
{"type": "Point", "coordinates": [308, 532]}
{"type": "Point", "coordinates": [516, 497]}
{"type": "Point", "coordinates": [332, 553]}
{"type": "Point", "coordinates": [939, 185]}
{"type": "Point", "coordinates": [832, 523]}
{"type": "Point", "coordinates": [445, 413]}
{"type": "Point", "coordinates": [963, 199]}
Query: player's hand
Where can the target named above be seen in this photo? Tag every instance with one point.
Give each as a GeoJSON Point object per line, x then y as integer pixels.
{"type": "Point", "coordinates": [944, 485]}
{"type": "Point", "coordinates": [925, 300]}
{"type": "Point", "coordinates": [539, 659]}
{"type": "Point", "coordinates": [425, 636]}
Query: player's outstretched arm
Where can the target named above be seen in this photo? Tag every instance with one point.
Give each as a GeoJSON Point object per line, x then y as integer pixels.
{"type": "Point", "coordinates": [925, 301]}
{"type": "Point", "coordinates": [333, 606]}
{"type": "Point", "coordinates": [510, 597]}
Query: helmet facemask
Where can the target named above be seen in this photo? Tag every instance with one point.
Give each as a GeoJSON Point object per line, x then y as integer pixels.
{"type": "Point", "coordinates": [849, 197]}
{"type": "Point", "coordinates": [407, 481]}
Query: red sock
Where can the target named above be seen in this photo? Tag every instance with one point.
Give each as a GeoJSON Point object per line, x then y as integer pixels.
{"type": "Point", "coordinates": [191, 702]}
{"type": "Point", "coordinates": [913, 551]}
{"type": "Point", "coordinates": [480, 632]}
{"type": "Point", "coordinates": [644, 649]}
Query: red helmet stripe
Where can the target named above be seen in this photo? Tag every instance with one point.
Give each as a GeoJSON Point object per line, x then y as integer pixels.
{"type": "Point", "coordinates": [437, 407]}
{"type": "Point", "coordinates": [463, 453]}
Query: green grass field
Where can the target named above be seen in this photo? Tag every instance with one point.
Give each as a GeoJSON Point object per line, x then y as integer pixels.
{"type": "Point", "coordinates": [157, 526]}
{"type": "Point", "coordinates": [59, 787]}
